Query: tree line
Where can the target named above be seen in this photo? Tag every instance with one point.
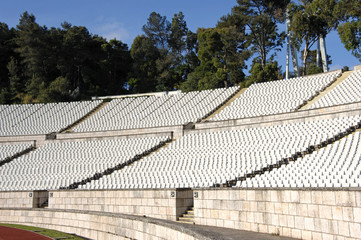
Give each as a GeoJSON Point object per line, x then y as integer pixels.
{"type": "Point", "coordinates": [40, 64]}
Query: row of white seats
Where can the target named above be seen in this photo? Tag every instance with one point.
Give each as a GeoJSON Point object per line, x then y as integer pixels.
{"type": "Point", "coordinates": [8, 150]}
{"type": "Point", "coordinates": [276, 97]}
{"type": "Point", "coordinates": [337, 165]}
{"type": "Point", "coordinates": [202, 159]}
{"type": "Point", "coordinates": [29, 119]}
{"type": "Point", "coordinates": [142, 112]}
{"type": "Point", "coordinates": [59, 164]}
{"type": "Point", "coordinates": [348, 91]}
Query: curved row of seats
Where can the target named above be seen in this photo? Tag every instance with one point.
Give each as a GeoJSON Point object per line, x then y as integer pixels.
{"type": "Point", "coordinates": [276, 97]}
{"type": "Point", "coordinates": [337, 165]}
{"type": "Point", "coordinates": [150, 111]}
{"type": "Point", "coordinates": [60, 164]}
{"type": "Point", "coordinates": [203, 159]}
{"type": "Point", "coordinates": [8, 150]}
{"type": "Point", "coordinates": [348, 91]}
{"type": "Point", "coordinates": [30, 119]}
{"type": "Point", "coordinates": [153, 111]}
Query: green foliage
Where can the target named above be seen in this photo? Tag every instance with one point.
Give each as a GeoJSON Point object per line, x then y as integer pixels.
{"type": "Point", "coordinates": [259, 19]}
{"type": "Point", "coordinates": [260, 74]}
{"type": "Point", "coordinates": [221, 62]}
{"type": "Point", "coordinates": [164, 56]}
{"type": "Point", "coordinates": [313, 69]}
{"type": "Point", "coordinates": [38, 64]}
{"type": "Point", "coordinates": [5, 96]}
{"type": "Point", "coordinates": [6, 51]}
{"type": "Point", "coordinates": [310, 20]}
{"type": "Point", "coordinates": [157, 29]}
{"type": "Point", "coordinates": [144, 54]}
{"type": "Point", "coordinates": [350, 30]}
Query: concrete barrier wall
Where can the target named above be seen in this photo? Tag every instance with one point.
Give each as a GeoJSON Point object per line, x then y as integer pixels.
{"type": "Point", "coordinates": [38, 140]}
{"type": "Point", "coordinates": [94, 225]}
{"type": "Point", "coordinates": [23, 199]}
{"type": "Point", "coordinates": [160, 203]}
{"type": "Point", "coordinates": [283, 118]}
{"type": "Point", "coordinates": [17, 199]}
{"type": "Point", "coordinates": [176, 131]}
{"type": "Point", "coordinates": [302, 214]}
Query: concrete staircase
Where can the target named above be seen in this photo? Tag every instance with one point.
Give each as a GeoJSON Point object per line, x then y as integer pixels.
{"type": "Point", "coordinates": [327, 90]}
{"type": "Point", "coordinates": [84, 118]}
{"type": "Point", "coordinates": [16, 155]}
{"type": "Point", "coordinates": [188, 216]}
{"type": "Point", "coordinates": [44, 204]}
{"type": "Point", "coordinates": [239, 93]}
{"type": "Point", "coordinates": [294, 157]}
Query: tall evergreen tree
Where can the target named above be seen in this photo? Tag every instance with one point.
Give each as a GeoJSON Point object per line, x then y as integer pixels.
{"type": "Point", "coordinates": [144, 71]}
{"type": "Point", "coordinates": [350, 29]}
{"type": "Point", "coordinates": [310, 20]}
{"type": "Point", "coordinates": [259, 18]}
{"type": "Point", "coordinates": [6, 52]}
{"type": "Point", "coordinates": [157, 29]}
{"type": "Point", "coordinates": [222, 59]}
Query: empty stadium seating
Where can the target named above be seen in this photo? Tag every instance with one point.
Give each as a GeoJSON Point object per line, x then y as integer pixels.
{"type": "Point", "coordinates": [256, 174]}
{"type": "Point", "coordinates": [8, 150]}
{"type": "Point", "coordinates": [276, 97]}
{"type": "Point", "coordinates": [30, 119]}
{"type": "Point", "coordinates": [348, 91]}
{"type": "Point", "coordinates": [198, 159]}
{"type": "Point", "coordinates": [152, 111]}
{"type": "Point", "coordinates": [337, 165]}
{"type": "Point", "coordinates": [60, 164]}
{"type": "Point", "coordinates": [202, 159]}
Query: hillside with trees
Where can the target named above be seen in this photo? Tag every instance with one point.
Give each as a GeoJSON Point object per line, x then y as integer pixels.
{"type": "Point", "coordinates": [41, 64]}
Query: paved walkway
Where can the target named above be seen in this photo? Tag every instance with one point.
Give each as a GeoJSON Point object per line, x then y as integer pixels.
{"type": "Point", "coordinates": [232, 234]}
{"type": "Point", "coordinates": [8, 233]}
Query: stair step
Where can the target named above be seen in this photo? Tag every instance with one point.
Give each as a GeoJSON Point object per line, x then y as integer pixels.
{"type": "Point", "coordinates": [188, 215]}
{"type": "Point", "coordinates": [186, 218]}
{"type": "Point", "coordinates": [186, 222]}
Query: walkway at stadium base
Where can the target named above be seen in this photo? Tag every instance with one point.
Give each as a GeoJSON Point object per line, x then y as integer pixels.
{"type": "Point", "coordinates": [218, 233]}
{"type": "Point", "coordinates": [9, 233]}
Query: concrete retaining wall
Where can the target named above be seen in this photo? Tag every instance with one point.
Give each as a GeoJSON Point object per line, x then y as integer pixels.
{"type": "Point", "coordinates": [38, 140]}
{"type": "Point", "coordinates": [25, 199]}
{"type": "Point", "coordinates": [95, 225]}
{"type": "Point", "coordinates": [306, 214]}
{"type": "Point", "coordinates": [175, 131]}
{"type": "Point", "coordinates": [283, 118]}
{"type": "Point", "coordinates": [299, 213]}
{"type": "Point", "coordinates": [158, 203]}
{"type": "Point", "coordinates": [17, 199]}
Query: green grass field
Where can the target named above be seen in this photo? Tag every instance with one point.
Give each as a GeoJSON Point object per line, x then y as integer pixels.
{"type": "Point", "coordinates": [45, 232]}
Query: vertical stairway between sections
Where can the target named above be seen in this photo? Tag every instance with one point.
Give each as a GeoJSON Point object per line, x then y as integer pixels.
{"type": "Point", "coordinates": [188, 216]}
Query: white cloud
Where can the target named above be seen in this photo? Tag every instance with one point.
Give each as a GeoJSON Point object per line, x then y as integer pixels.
{"type": "Point", "coordinates": [112, 29]}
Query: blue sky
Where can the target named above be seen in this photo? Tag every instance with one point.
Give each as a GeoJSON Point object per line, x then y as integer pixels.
{"type": "Point", "coordinates": [123, 19]}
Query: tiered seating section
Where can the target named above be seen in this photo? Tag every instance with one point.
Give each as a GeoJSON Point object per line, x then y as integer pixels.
{"type": "Point", "coordinates": [143, 112]}
{"type": "Point", "coordinates": [8, 150]}
{"type": "Point", "coordinates": [29, 119]}
{"type": "Point", "coordinates": [60, 164]}
{"type": "Point", "coordinates": [337, 165]}
{"type": "Point", "coordinates": [202, 159]}
{"type": "Point", "coordinates": [348, 91]}
{"type": "Point", "coordinates": [198, 159]}
{"type": "Point", "coordinates": [276, 97]}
